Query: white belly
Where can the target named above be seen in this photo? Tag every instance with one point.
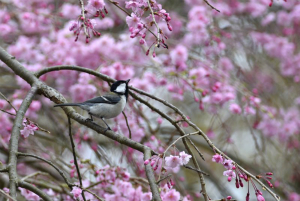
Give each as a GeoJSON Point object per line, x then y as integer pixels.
{"type": "Point", "coordinates": [107, 111]}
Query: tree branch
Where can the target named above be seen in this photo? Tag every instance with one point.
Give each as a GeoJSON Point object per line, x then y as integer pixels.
{"type": "Point", "coordinates": [14, 141]}
{"type": "Point", "coordinates": [75, 158]}
{"type": "Point", "coordinates": [34, 189]}
{"type": "Point", "coordinates": [50, 163]}
{"type": "Point", "coordinates": [9, 198]}
{"type": "Point", "coordinates": [151, 177]}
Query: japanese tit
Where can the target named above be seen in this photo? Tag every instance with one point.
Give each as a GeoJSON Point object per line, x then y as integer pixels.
{"type": "Point", "coordinates": [107, 106]}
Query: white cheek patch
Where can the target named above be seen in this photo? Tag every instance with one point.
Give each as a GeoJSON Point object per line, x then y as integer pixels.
{"type": "Point", "coordinates": [121, 88]}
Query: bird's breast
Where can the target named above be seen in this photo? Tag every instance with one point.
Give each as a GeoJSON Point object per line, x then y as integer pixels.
{"type": "Point", "coordinates": [108, 111]}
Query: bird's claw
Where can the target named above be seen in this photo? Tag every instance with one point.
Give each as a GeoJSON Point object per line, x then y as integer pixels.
{"type": "Point", "coordinates": [88, 119]}
{"type": "Point", "coordinates": [108, 128]}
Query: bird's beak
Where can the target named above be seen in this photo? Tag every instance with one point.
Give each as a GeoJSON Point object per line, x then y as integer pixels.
{"type": "Point", "coordinates": [127, 81]}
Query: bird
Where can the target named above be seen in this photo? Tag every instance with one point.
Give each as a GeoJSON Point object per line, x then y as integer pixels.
{"type": "Point", "coordinates": [107, 106]}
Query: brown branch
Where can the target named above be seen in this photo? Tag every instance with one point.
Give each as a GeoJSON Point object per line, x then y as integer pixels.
{"type": "Point", "coordinates": [6, 99]}
{"type": "Point", "coordinates": [94, 194]}
{"type": "Point", "coordinates": [151, 177]}
{"type": "Point", "coordinates": [129, 130]}
{"type": "Point", "coordinates": [75, 158]}
{"type": "Point", "coordinates": [166, 177]}
{"type": "Point", "coordinates": [34, 175]}
{"type": "Point", "coordinates": [211, 6]}
{"type": "Point", "coordinates": [14, 141]}
{"type": "Point", "coordinates": [34, 189]}
{"type": "Point", "coordinates": [50, 163]}
{"type": "Point", "coordinates": [7, 112]}
{"type": "Point", "coordinates": [191, 168]}
{"type": "Point", "coordinates": [84, 19]}
{"type": "Point", "coordinates": [195, 147]}
{"type": "Point", "coordinates": [9, 198]}
{"type": "Point", "coordinates": [153, 19]}
{"type": "Point", "coordinates": [189, 134]}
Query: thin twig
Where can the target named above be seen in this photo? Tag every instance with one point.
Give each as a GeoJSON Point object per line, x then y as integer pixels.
{"type": "Point", "coordinates": [129, 130]}
{"type": "Point", "coordinates": [7, 195]}
{"type": "Point", "coordinates": [140, 179]}
{"type": "Point", "coordinates": [153, 18]}
{"type": "Point", "coordinates": [1, 94]}
{"type": "Point", "coordinates": [191, 168]}
{"type": "Point", "coordinates": [34, 174]}
{"type": "Point", "coordinates": [166, 177]}
{"type": "Point", "coordinates": [192, 143]}
{"type": "Point", "coordinates": [101, 199]}
{"type": "Point", "coordinates": [125, 11]}
{"type": "Point", "coordinates": [84, 19]}
{"type": "Point", "coordinates": [75, 158]}
{"type": "Point", "coordinates": [7, 112]}
{"type": "Point", "coordinates": [189, 134]}
{"type": "Point", "coordinates": [211, 6]}
{"type": "Point", "coordinates": [51, 164]}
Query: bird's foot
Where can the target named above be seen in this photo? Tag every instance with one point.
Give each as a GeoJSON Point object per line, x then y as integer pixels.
{"type": "Point", "coordinates": [89, 119]}
{"type": "Point", "coordinates": [108, 128]}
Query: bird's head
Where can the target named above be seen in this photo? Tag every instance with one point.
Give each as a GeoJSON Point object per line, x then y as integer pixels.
{"type": "Point", "coordinates": [120, 87]}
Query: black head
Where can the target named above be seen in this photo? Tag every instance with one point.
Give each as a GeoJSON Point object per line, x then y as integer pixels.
{"type": "Point", "coordinates": [120, 87]}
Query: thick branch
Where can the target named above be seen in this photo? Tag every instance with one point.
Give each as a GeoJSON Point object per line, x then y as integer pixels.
{"type": "Point", "coordinates": [14, 141]}
{"type": "Point", "coordinates": [17, 67]}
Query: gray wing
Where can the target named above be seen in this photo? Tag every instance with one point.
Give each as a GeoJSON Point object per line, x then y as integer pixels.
{"type": "Point", "coordinates": [108, 99]}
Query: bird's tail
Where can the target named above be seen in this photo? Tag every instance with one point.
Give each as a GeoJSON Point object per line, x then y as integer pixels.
{"type": "Point", "coordinates": [67, 104]}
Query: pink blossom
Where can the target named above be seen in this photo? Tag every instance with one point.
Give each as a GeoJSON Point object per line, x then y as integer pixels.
{"type": "Point", "coordinates": [249, 110]}
{"type": "Point", "coordinates": [260, 198]}
{"type": "Point", "coordinates": [76, 192]}
{"type": "Point", "coordinates": [179, 55]}
{"type": "Point", "coordinates": [294, 197]}
{"type": "Point", "coordinates": [268, 19]}
{"type": "Point", "coordinates": [28, 129]}
{"type": "Point", "coordinates": [80, 92]}
{"type": "Point", "coordinates": [230, 174]}
{"type": "Point", "coordinates": [171, 195]}
{"type": "Point", "coordinates": [228, 164]}
{"type": "Point", "coordinates": [98, 4]}
{"type": "Point", "coordinates": [235, 108]}
{"type": "Point", "coordinates": [225, 64]}
{"type": "Point", "coordinates": [6, 190]}
{"type": "Point", "coordinates": [184, 158]}
{"type": "Point", "coordinates": [146, 162]}
{"type": "Point", "coordinates": [173, 161]}
{"type": "Point", "coordinates": [29, 195]}
{"type": "Point", "coordinates": [217, 158]}
{"type": "Point", "coordinates": [146, 196]}
{"type": "Point", "coordinates": [133, 20]}
{"type": "Point", "coordinates": [70, 11]}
